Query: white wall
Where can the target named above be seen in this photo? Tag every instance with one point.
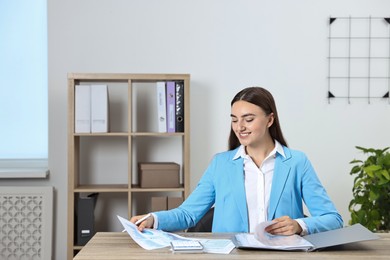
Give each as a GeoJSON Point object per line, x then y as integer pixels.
{"type": "Point", "coordinates": [225, 46]}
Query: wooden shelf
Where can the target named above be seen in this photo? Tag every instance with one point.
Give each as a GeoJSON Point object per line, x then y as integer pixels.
{"type": "Point", "coordinates": [102, 188]}
{"type": "Point", "coordinates": [101, 134]}
{"type": "Point", "coordinates": [157, 134]}
{"type": "Point", "coordinates": [136, 188]}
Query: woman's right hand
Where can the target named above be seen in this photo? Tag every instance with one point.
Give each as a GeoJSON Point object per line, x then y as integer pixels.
{"type": "Point", "coordinates": [147, 223]}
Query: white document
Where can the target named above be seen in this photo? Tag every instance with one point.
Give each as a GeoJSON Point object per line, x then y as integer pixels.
{"type": "Point", "coordinates": [161, 107]}
{"type": "Point", "coordinates": [99, 109]}
{"type": "Point", "coordinates": [263, 240]}
{"type": "Point", "coordinates": [82, 109]}
{"type": "Point", "coordinates": [153, 239]}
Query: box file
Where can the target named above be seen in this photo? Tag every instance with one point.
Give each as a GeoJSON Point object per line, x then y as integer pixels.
{"type": "Point", "coordinates": [161, 107]}
{"type": "Point", "coordinates": [171, 108]}
{"type": "Point", "coordinates": [99, 109]}
{"type": "Point", "coordinates": [82, 109]}
{"type": "Point", "coordinates": [159, 175]}
{"type": "Point", "coordinates": [85, 218]}
{"type": "Point", "coordinates": [179, 106]}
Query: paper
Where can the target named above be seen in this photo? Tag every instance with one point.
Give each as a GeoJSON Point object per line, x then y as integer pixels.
{"type": "Point", "coordinates": [263, 240]}
{"type": "Point", "coordinates": [280, 242]}
{"type": "Point", "coordinates": [153, 239]}
{"type": "Point", "coordinates": [217, 246]}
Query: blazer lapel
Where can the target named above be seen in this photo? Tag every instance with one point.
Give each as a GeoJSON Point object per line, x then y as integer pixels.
{"type": "Point", "coordinates": [281, 173]}
{"type": "Point", "coordinates": [238, 187]}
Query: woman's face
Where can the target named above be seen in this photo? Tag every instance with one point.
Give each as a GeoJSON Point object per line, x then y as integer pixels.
{"type": "Point", "coordinates": [250, 123]}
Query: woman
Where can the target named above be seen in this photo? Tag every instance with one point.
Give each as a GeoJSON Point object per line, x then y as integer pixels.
{"type": "Point", "coordinates": [258, 179]}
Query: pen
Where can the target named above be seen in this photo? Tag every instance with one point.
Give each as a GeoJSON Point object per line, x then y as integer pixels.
{"type": "Point", "coordinates": [141, 219]}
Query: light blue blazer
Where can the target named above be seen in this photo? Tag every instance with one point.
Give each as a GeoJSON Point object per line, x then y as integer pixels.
{"type": "Point", "coordinates": [222, 185]}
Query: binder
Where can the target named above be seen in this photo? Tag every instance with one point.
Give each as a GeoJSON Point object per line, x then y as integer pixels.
{"type": "Point", "coordinates": [161, 107]}
{"type": "Point", "coordinates": [85, 218]}
{"type": "Point", "coordinates": [99, 109]}
{"type": "Point", "coordinates": [82, 109]}
{"type": "Point", "coordinates": [171, 114]}
{"type": "Point", "coordinates": [179, 106]}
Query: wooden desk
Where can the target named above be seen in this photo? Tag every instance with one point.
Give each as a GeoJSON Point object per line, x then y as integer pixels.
{"type": "Point", "coordinates": [116, 245]}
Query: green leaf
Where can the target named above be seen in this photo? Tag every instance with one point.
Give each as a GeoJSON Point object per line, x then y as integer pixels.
{"type": "Point", "coordinates": [362, 216]}
{"type": "Point", "coordinates": [356, 161]}
{"type": "Point", "coordinates": [385, 174]}
{"type": "Point", "coordinates": [365, 150]}
{"type": "Point", "coordinates": [375, 215]}
{"type": "Point", "coordinates": [355, 169]}
{"type": "Point", "coordinates": [374, 195]}
{"type": "Point", "coordinates": [386, 160]}
{"type": "Point", "coordinates": [358, 184]}
{"type": "Point", "coordinates": [371, 169]}
{"type": "Point", "coordinates": [383, 181]}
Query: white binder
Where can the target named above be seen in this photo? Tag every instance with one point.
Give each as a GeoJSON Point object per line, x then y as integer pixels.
{"type": "Point", "coordinates": [82, 109]}
{"type": "Point", "coordinates": [99, 109]}
{"type": "Point", "coordinates": [161, 107]}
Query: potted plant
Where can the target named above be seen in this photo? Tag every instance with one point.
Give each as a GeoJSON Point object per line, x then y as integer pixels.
{"type": "Point", "coordinates": [370, 205]}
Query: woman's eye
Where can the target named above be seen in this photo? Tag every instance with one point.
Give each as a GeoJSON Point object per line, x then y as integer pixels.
{"type": "Point", "coordinates": [249, 119]}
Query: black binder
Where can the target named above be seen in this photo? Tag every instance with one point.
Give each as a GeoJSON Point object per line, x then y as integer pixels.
{"type": "Point", "coordinates": [85, 218]}
{"type": "Point", "coordinates": [179, 85]}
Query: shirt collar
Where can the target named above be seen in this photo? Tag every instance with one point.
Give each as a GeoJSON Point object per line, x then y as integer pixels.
{"type": "Point", "coordinates": [278, 149]}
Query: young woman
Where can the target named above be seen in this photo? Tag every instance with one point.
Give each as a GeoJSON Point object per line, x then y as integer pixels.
{"type": "Point", "coordinates": [258, 179]}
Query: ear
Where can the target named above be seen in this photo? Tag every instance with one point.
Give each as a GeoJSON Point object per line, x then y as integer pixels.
{"type": "Point", "coordinates": [270, 120]}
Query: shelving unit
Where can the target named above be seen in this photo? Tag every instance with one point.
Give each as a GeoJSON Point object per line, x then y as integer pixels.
{"type": "Point", "coordinates": [126, 130]}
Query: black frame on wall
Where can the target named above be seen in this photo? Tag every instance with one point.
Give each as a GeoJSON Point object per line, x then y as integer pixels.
{"type": "Point", "coordinates": [359, 58]}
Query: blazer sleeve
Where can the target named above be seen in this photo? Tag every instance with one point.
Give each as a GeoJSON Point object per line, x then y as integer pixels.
{"type": "Point", "coordinates": [324, 215]}
{"type": "Point", "coordinates": [193, 208]}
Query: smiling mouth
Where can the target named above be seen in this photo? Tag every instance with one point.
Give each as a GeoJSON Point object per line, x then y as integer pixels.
{"type": "Point", "coordinates": [244, 134]}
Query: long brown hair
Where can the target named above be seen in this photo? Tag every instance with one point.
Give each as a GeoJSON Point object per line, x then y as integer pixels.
{"type": "Point", "coordinates": [264, 99]}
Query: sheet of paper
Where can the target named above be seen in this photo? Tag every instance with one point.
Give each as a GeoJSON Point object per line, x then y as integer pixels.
{"type": "Point", "coordinates": [149, 238]}
{"type": "Point", "coordinates": [262, 239]}
{"type": "Point", "coordinates": [153, 239]}
{"type": "Point", "coordinates": [217, 246]}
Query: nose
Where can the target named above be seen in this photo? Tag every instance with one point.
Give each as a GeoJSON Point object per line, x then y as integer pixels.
{"type": "Point", "coordinates": [241, 125]}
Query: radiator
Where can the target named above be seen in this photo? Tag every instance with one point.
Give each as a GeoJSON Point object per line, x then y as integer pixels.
{"type": "Point", "coordinates": [26, 220]}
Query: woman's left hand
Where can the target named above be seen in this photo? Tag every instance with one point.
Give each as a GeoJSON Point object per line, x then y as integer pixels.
{"type": "Point", "coordinates": [284, 226]}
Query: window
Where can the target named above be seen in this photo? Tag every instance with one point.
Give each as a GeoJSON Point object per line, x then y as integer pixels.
{"type": "Point", "coordinates": [23, 82]}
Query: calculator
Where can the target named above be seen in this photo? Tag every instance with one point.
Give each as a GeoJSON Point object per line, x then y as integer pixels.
{"type": "Point", "coordinates": [186, 246]}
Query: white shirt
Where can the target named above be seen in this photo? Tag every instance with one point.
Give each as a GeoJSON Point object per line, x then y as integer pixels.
{"type": "Point", "coordinates": [258, 184]}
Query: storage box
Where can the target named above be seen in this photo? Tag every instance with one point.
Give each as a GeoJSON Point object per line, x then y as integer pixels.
{"type": "Point", "coordinates": [159, 175]}
{"type": "Point", "coordinates": [159, 203]}
{"type": "Point", "coordinates": [174, 202]}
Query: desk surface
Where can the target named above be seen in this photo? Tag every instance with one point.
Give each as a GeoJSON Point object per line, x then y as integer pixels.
{"type": "Point", "coordinates": [116, 245]}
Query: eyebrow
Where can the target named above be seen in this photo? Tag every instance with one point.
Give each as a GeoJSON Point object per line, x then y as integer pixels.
{"type": "Point", "coordinates": [244, 115]}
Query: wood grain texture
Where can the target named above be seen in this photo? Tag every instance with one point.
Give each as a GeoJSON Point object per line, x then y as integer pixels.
{"type": "Point", "coordinates": [114, 245]}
